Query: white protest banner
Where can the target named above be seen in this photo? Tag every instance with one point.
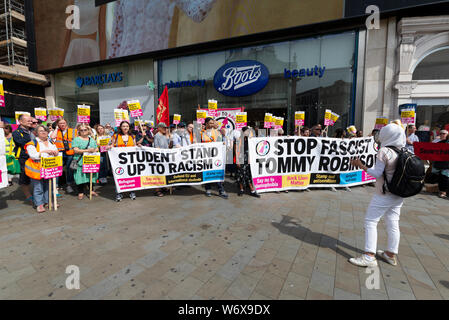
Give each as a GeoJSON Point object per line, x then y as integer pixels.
{"type": "Point", "coordinates": [282, 163]}
{"type": "Point", "coordinates": [137, 168]}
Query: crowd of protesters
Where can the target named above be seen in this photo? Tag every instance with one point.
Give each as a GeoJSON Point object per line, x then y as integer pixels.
{"type": "Point", "coordinates": [25, 145]}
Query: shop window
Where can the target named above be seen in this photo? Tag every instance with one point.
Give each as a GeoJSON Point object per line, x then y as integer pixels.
{"type": "Point", "coordinates": [433, 67]}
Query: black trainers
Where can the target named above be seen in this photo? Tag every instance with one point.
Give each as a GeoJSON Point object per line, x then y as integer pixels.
{"type": "Point", "coordinates": [132, 195]}
{"type": "Point", "coordinates": [208, 193]}
{"type": "Point", "coordinates": [118, 197]}
{"type": "Point", "coordinates": [255, 194]}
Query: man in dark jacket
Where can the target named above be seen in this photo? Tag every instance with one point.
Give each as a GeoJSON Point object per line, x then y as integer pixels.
{"type": "Point", "coordinates": [21, 137]}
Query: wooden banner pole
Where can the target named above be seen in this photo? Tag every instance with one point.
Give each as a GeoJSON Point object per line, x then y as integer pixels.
{"type": "Point", "coordinates": [55, 200]}
{"type": "Point", "coordinates": [90, 187]}
{"type": "Point", "coordinates": [50, 187]}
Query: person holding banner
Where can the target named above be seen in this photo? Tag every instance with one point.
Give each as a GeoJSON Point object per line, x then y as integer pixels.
{"type": "Point", "coordinates": [83, 144]}
{"type": "Point", "coordinates": [305, 132]}
{"type": "Point", "coordinates": [122, 139]}
{"type": "Point", "coordinates": [21, 137]}
{"type": "Point", "coordinates": [210, 134]}
{"type": "Point", "coordinates": [35, 148]}
{"type": "Point", "coordinates": [12, 163]}
{"type": "Point", "coordinates": [146, 137]}
{"type": "Point", "coordinates": [101, 133]}
{"type": "Point", "coordinates": [63, 137]}
{"type": "Point", "coordinates": [243, 175]}
{"type": "Point", "coordinates": [383, 202]}
{"type": "Point", "coordinates": [411, 137]}
{"type": "Point", "coordinates": [440, 169]}
{"type": "Point", "coordinates": [181, 137]}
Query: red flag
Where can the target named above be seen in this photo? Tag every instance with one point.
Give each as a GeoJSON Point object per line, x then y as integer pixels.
{"type": "Point", "coordinates": [162, 113]}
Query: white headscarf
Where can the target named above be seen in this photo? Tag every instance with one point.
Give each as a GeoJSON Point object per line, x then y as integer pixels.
{"type": "Point", "coordinates": [392, 135]}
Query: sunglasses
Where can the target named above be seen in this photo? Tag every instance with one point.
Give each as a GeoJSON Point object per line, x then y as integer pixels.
{"type": "Point", "coordinates": [34, 122]}
{"type": "Point", "coordinates": [83, 130]}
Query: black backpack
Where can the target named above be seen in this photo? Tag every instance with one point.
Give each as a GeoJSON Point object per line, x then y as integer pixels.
{"type": "Point", "coordinates": [408, 178]}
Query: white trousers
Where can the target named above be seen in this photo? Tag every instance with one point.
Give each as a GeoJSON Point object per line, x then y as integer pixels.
{"type": "Point", "coordinates": [387, 205]}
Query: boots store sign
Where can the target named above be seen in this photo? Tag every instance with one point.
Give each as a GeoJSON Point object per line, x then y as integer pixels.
{"type": "Point", "coordinates": [241, 78]}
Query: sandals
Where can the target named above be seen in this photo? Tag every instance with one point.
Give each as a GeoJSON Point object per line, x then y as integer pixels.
{"type": "Point", "coordinates": [41, 209]}
{"type": "Point", "coordinates": [80, 196]}
{"type": "Point", "coordinates": [442, 195]}
{"type": "Point", "coordinates": [159, 194]}
{"type": "Point", "coordinates": [94, 194]}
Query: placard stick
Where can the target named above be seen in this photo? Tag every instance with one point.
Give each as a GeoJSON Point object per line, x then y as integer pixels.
{"type": "Point", "coordinates": [325, 130]}
{"type": "Point", "coordinates": [50, 187]}
{"type": "Point", "coordinates": [90, 187]}
{"type": "Point", "coordinates": [55, 200]}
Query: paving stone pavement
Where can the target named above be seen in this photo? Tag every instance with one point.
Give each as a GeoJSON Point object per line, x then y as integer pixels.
{"type": "Point", "coordinates": [291, 246]}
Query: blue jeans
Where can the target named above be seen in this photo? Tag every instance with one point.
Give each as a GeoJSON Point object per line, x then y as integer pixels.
{"type": "Point", "coordinates": [66, 160]}
{"type": "Point", "coordinates": [208, 186]}
{"type": "Point", "coordinates": [103, 166]}
{"type": "Point", "coordinates": [40, 191]}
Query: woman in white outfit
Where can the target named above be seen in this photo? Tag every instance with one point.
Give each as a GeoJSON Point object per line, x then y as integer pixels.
{"type": "Point", "coordinates": [382, 204]}
{"type": "Point", "coordinates": [144, 25]}
{"type": "Point", "coordinates": [88, 43]}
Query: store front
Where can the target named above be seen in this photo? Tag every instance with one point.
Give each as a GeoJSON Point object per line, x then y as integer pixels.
{"type": "Point", "coordinates": [424, 69]}
{"type": "Point", "coordinates": [311, 75]}
{"type": "Point", "coordinates": [104, 88]}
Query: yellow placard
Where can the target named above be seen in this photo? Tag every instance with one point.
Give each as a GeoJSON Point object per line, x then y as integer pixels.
{"type": "Point", "coordinates": [241, 118]}
{"type": "Point", "coordinates": [51, 162]}
{"type": "Point", "coordinates": [40, 112]}
{"type": "Point", "coordinates": [19, 113]}
{"type": "Point", "coordinates": [328, 114]}
{"type": "Point", "coordinates": [135, 105]}
{"type": "Point", "coordinates": [104, 141]}
{"type": "Point", "coordinates": [148, 181]}
{"type": "Point", "coordinates": [268, 117]}
{"type": "Point", "coordinates": [200, 114]}
{"type": "Point", "coordinates": [296, 180]}
{"type": "Point", "coordinates": [83, 111]}
{"type": "Point", "coordinates": [352, 129]}
{"type": "Point", "coordinates": [91, 159]}
{"type": "Point", "coordinates": [334, 117]}
{"type": "Point", "coordinates": [279, 121]}
{"type": "Point", "coordinates": [177, 117]}
{"type": "Point", "coordinates": [383, 121]}
{"type": "Point", "coordinates": [301, 115]}
{"type": "Point", "coordinates": [408, 114]}
{"type": "Point", "coordinates": [2, 91]}
{"type": "Point", "coordinates": [118, 114]}
{"type": "Point", "coordinates": [212, 104]}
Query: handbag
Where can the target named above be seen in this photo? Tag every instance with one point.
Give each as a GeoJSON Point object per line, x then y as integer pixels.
{"type": "Point", "coordinates": [74, 163]}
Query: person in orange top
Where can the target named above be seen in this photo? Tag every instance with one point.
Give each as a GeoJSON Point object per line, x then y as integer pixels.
{"type": "Point", "coordinates": [63, 137]}
{"type": "Point", "coordinates": [123, 138]}
{"type": "Point", "coordinates": [35, 149]}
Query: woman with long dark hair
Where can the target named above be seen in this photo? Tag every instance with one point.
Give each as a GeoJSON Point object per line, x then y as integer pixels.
{"type": "Point", "coordinates": [123, 138]}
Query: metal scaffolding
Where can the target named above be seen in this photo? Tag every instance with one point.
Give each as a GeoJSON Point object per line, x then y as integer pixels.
{"type": "Point", "coordinates": [13, 42]}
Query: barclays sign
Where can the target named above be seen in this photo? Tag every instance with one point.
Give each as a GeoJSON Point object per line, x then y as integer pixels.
{"type": "Point", "coordinates": [99, 79]}
{"type": "Point", "coordinates": [241, 78]}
